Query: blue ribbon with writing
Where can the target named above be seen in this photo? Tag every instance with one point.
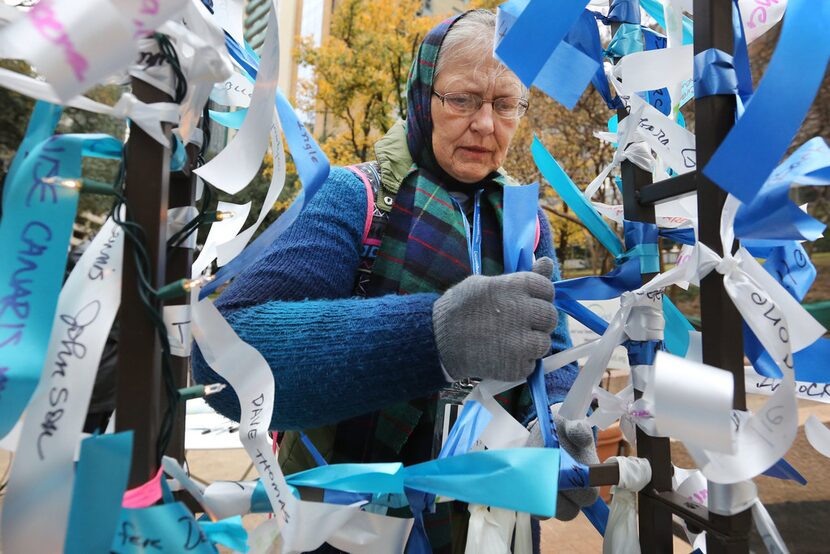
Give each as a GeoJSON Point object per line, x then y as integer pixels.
{"type": "Point", "coordinates": [163, 528]}
{"type": "Point", "coordinates": [35, 231]}
{"type": "Point", "coordinates": [312, 167]}
{"type": "Point", "coordinates": [792, 268]}
{"type": "Point", "coordinates": [101, 479]}
{"type": "Point", "coordinates": [751, 150]}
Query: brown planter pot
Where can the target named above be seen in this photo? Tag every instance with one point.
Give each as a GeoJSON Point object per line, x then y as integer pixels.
{"type": "Point", "coordinates": [608, 444]}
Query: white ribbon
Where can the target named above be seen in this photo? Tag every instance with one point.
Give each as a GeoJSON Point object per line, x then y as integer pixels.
{"type": "Point", "coordinates": [490, 531]}
{"type": "Point", "coordinates": [42, 476]}
{"type": "Point", "coordinates": [146, 116]}
{"type": "Point", "coordinates": [621, 532]}
{"type": "Point", "coordinates": [220, 233]}
{"type": "Point", "coordinates": [817, 435]}
{"type": "Point", "coordinates": [200, 45]}
{"type": "Point", "coordinates": [237, 164]}
{"type": "Point", "coordinates": [671, 142]}
{"type": "Point", "coordinates": [622, 406]}
{"type": "Point", "coordinates": [628, 148]}
{"type": "Point", "coordinates": [766, 386]}
{"type": "Point", "coordinates": [177, 321]}
{"type": "Point", "coordinates": [759, 16]}
{"type": "Point", "coordinates": [77, 44]}
{"type": "Point", "coordinates": [653, 69]}
{"type": "Point", "coordinates": [783, 327]}
{"type": "Point", "coordinates": [693, 402]}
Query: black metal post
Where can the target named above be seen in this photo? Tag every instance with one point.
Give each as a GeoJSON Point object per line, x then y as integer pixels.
{"type": "Point", "coordinates": [138, 398]}
{"type": "Point", "coordinates": [721, 323]}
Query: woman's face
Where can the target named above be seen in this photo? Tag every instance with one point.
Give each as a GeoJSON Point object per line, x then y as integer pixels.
{"type": "Point", "coordinates": [470, 147]}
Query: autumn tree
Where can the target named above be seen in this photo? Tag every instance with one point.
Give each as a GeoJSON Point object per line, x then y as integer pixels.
{"type": "Point", "coordinates": [360, 72]}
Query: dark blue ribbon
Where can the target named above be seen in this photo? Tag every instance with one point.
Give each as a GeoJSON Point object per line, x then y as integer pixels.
{"type": "Point", "coordinates": [658, 98]}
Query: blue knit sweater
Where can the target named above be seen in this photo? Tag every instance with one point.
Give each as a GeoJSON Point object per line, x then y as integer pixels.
{"type": "Point", "coordinates": [333, 356]}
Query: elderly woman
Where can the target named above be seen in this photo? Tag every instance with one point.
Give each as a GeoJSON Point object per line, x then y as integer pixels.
{"type": "Point", "coordinates": [368, 342]}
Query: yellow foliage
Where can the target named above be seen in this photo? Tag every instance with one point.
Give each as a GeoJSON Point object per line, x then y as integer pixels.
{"type": "Point", "coordinates": [360, 73]}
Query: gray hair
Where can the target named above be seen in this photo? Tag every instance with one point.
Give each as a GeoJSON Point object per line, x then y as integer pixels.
{"type": "Point", "coordinates": [467, 39]}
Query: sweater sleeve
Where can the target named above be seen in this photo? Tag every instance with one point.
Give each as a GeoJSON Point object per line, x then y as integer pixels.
{"type": "Point", "coordinates": [558, 382]}
{"type": "Point", "coordinates": [332, 357]}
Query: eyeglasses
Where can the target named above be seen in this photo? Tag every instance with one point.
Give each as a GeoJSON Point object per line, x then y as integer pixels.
{"type": "Point", "coordinates": [468, 103]}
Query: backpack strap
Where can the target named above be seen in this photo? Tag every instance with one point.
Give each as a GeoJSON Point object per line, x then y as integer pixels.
{"type": "Point", "coordinates": [374, 225]}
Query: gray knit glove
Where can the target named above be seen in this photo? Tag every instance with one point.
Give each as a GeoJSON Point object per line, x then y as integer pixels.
{"type": "Point", "coordinates": [496, 327]}
{"type": "Point", "coordinates": [578, 441]}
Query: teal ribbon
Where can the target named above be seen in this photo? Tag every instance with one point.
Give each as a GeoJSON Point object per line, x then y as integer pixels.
{"type": "Point", "coordinates": [228, 532]}
{"type": "Point", "coordinates": [574, 198]}
{"type": "Point", "coordinates": [627, 40]}
{"type": "Point", "coordinates": [42, 124]}
{"type": "Point", "coordinates": [655, 9]}
{"type": "Point", "coordinates": [35, 232]}
{"type": "Point", "coordinates": [164, 528]}
{"type": "Point", "coordinates": [103, 472]}
{"type": "Point", "coordinates": [649, 256]}
{"type": "Point", "coordinates": [520, 479]}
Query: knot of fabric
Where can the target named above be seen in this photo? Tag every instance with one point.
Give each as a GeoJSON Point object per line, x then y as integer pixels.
{"type": "Point", "coordinates": [621, 532]}
{"type": "Point", "coordinates": [728, 265]}
{"type": "Point", "coordinates": [714, 72]}
{"type": "Point", "coordinates": [645, 322]}
{"type": "Point", "coordinates": [125, 106]}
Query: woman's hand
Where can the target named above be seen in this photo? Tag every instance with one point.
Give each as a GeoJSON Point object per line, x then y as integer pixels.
{"type": "Point", "coordinates": [496, 327]}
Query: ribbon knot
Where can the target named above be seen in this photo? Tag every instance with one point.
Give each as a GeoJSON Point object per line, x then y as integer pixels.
{"type": "Point", "coordinates": [728, 265]}
{"type": "Point", "coordinates": [125, 106]}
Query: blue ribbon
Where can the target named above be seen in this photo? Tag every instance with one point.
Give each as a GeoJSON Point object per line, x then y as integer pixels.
{"type": "Point", "coordinates": [680, 236]}
{"type": "Point", "coordinates": [312, 167]}
{"type": "Point", "coordinates": [752, 148]}
{"type": "Point", "coordinates": [418, 542]}
{"type": "Point", "coordinates": [163, 528]}
{"type": "Point", "coordinates": [519, 234]}
{"type": "Point", "coordinates": [465, 431]}
{"type": "Point", "coordinates": [641, 352]}
{"type": "Point", "coordinates": [658, 98]}
{"type": "Point", "coordinates": [35, 230]}
{"type": "Point", "coordinates": [100, 482]}
{"type": "Point", "coordinates": [714, 72]}
{"type": "Point", "coordinates": [624, 11]}
{"type": "Point", "coordinates": [533, 47]}
{"type": "Point", "coordinates": [179, 156]}
{"type": "Point", "coordinates": [783, 470]}
{"type": "Point", "coordinates": [584, 35]}
{"type": "Point", "coordinates": [509, 479]}
{"type": "Point", "coordinates": [597, 513]}
{"type": "Point", "coordinates": [771, 215]}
